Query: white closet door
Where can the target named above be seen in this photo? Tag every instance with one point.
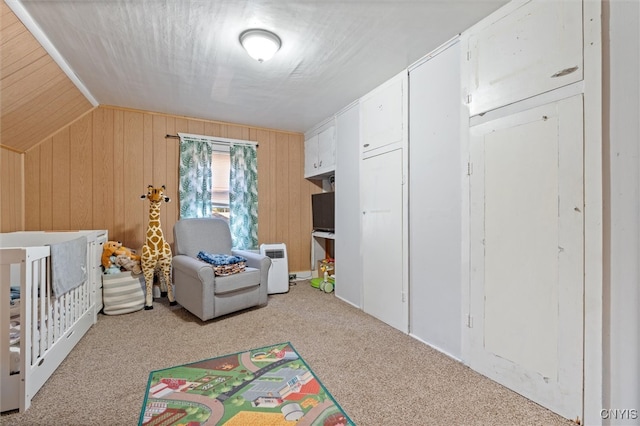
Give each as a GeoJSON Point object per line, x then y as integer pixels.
{"type": "Point", "coordinates": [435, 182]}
{"type": "Point", "coordinates": [382, 239]}
{"type": "Point", "coordinates": [527, 249]}
{"type": "Point", "coordinates": [348, 213]}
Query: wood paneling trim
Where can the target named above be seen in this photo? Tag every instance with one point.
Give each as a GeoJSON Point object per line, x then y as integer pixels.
{"type": "Point", "coordinates": [79, 116]}
{"type": "Point", "coordinates": [173, 159]}
{"type": "Point", "coordinates": [32, 190]}
{"type": "Point", "coordinates": [61, 159]}
{"type": "Point", "coordinates": [11, 191]}
{"type": "Point", "coordinates": [11, 28]}
{"type": "Point", "coordinates": [24, 87]}
{"type": "Point", "coordinates": [81, 174]}
{"type": "Point", "coordinates": [46, 184]}
{"type": "Point", "coordinates": [16, 44]}
{"type": "Point", "coordinates": [21, 61]}
{"type": "Point", "coordinates": [103, 168]}
{"type": "Point", "coordinates": [10, 148]}
{"type": "Point", "coordinates": [134, 216]}
{"type": "Point", "coordinates": [223, 133]}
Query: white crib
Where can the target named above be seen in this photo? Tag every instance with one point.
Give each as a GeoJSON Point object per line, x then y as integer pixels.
{"type": "Point", "coordinates": [49, 327]}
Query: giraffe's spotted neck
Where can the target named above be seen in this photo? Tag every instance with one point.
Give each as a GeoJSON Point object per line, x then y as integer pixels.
{"type": "Point", "coordinates": [155, 239]}
{"type": "Point", "coordinates": [154, 212]}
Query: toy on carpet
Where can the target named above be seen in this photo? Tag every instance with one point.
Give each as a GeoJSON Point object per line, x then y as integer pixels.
{"type": "Point", "coordinates": [128, 264]}
{"type": "Point", "coordinates": [156, 251]}
{"type": "Point", "coordinates": [326, 276]}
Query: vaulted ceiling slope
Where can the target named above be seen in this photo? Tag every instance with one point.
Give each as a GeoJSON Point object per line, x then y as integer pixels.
{"type": "Point", "coordinates": [183, 57]}
{"type": "Point", "coordinates": [36, 97]}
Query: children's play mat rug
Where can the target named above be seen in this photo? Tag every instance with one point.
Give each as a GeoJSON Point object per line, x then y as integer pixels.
{"type": "Point", "coordinates": [265, 386]}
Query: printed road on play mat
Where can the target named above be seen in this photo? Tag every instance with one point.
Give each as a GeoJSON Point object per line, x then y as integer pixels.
{"type": "Point", "coordinates": [266, 386]}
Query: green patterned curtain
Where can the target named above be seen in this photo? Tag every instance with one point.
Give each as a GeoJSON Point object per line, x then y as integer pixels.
{"type": "Point", "coordinates": [243, 197]}
{"type": "Point", "coordinates": [195, 178]}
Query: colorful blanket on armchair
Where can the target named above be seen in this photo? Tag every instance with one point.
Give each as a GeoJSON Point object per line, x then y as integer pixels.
{"type": "Point", "coordinates": [223, 264]}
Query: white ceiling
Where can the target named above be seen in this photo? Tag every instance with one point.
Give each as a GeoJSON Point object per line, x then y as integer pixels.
{"type": "Point", "coordinates": [183, 57]}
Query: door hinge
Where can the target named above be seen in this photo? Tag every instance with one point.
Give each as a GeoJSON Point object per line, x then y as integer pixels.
{"type": "Point", "coordinates": [468, 55]}
{"type": "Point", "coordinates": [469, 98]}
{"type": "Point", "coordinates": [469, 321]}
{"type": "Point", "coordinates": [469, 169]}
{"type": "Point", "coordinates": [404, 297]}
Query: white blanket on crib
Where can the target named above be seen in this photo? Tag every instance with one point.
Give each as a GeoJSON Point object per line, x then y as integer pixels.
{"type": "Point", "coordinates": [68, 265]}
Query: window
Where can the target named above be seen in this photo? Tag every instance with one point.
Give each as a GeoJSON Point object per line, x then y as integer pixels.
{"type": "Point", "coordinates": [221, 165]}
{"type": "Point", "coordinates": [219, 177]}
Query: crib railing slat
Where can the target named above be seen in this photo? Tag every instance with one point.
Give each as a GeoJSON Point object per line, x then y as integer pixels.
{"type": "Point", "coordinates": [33, 290]}
{"type": "Point", "coordinates": [49, 329]}
{"type": "Point", "coordinates": [43, 299]}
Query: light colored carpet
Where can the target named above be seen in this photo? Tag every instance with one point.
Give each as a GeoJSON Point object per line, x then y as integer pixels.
{"type": "Point", "coordinates": [376, 373]}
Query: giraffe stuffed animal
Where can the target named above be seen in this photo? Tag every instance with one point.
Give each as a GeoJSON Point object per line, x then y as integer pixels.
{"type": "Point", "coordinates": [156, 252]}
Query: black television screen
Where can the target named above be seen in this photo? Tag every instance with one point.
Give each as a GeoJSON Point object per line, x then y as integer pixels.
{"type": "Point", "coordinates": [323, 209]}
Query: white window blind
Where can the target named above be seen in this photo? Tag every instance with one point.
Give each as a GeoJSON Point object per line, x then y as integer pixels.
{"type": "Point", "coordinates": [221, 164]}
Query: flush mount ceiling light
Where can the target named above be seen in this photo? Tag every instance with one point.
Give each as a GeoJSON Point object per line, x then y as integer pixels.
{"type": "Point", "coordinates": [261, 45]}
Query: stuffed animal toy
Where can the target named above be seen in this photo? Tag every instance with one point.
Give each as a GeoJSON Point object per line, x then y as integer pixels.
{"type": "Point", "coordinates": [131, 254]}
{"type": "Point", "coordinates": [128, 264]}
{"type": "Point", "coordinates": [113, 268]}
{"type": "Point", "coordinates": [109, 249]}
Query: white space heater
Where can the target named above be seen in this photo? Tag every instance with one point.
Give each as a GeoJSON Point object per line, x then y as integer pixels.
{"type": "Point", "coordinates": [279, 271]}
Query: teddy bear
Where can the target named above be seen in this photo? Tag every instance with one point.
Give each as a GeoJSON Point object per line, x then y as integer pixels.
{"type": "Point", "coordinates": [131, 254]}
{"type": "Point", "coordinates": [113, 268]}
{"type": "Point", "coordinates": [109, 249]}
{"type": "Point", "coordinates": [128, 264]}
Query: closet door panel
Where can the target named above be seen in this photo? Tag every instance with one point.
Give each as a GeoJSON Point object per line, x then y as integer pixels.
{"type": "Point", "coordinates": [382, 114]}
{"type": "Point", "coordinates": [382, 242]}
{"type": "Point", "coordinates": [534, 49]}
{"type": "Point", "coordinates": [348, 241]}
{"type": "Point", "coordinates": [311, 156]}
{"type": "Point", "coordinates": [435, 208]}
{"type": "Point", "coordinates": [527, 249]}
{"type": "Point", "coordinates": [327, 150]}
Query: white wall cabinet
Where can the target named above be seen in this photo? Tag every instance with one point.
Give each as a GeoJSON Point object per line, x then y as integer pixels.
{"type": "Point", "coordinates": [382, 113]}
{"type": "Point", "coordinates": [320, 153]}
{"type": "Point", "coordinates": [535, 48]}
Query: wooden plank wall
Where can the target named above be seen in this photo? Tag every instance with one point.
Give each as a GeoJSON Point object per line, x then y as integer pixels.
{"type": "Point", "coordinates": [11, 191]}
{"type": "Point", "coordinates": [90, 175]}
